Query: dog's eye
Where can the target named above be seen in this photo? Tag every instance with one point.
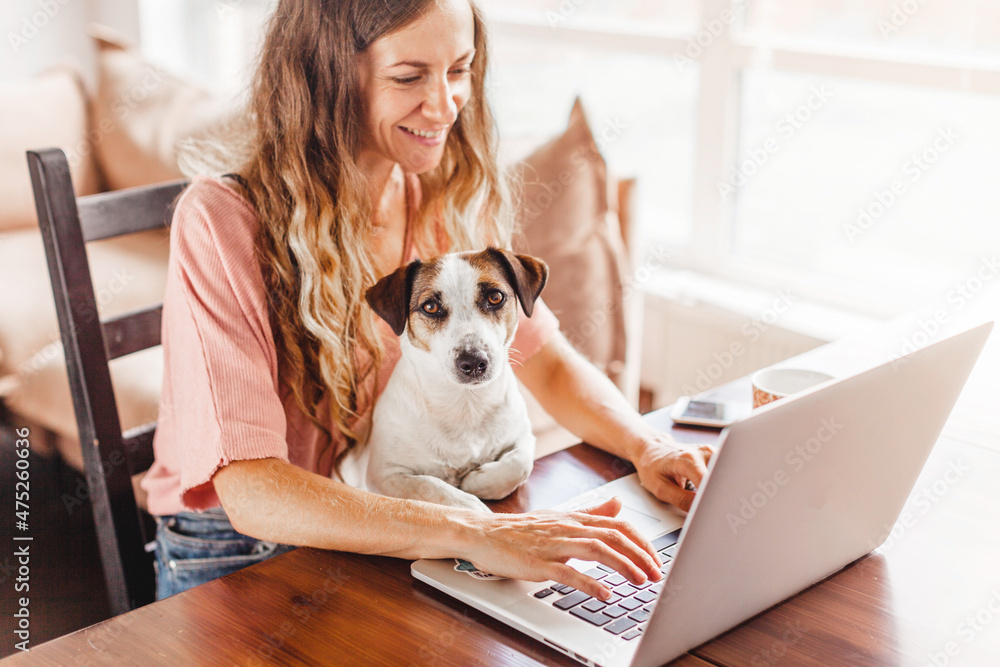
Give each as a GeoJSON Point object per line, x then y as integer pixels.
{"type": "Point", "coordinates": [432, 307]}
{"type": "Point", "coordinates": [496, 298]}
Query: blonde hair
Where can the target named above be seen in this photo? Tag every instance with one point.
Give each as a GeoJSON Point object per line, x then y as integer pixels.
{"type": "Point", "coordinates": [296, 148]}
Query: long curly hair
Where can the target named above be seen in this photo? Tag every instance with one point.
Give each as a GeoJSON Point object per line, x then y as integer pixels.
{"type": "Point", "coordinates": [297, 147]}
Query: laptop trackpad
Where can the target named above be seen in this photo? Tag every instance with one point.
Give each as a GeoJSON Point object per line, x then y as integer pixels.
{"type": "Point", "coordinates": [642, 521]}
{"type": "Point", "coordinates": [639, 507]}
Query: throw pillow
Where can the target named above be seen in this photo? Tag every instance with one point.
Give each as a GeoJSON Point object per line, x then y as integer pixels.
{"type": "Point", "coordinates": [566, 219]}
{"type": "Point", "coordinates": [47, 111]}
{"type": "Point", "coordinates": [141, 112]}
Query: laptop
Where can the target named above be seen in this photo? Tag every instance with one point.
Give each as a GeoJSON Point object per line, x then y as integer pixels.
{"type": "Point", "coordinates": [798, 489]}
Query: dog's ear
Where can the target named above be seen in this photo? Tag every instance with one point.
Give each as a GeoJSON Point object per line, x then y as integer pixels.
{"type": "Point", "coordinates": [390, 297]}
{"type": "Point", "coordinates": [526, 274]}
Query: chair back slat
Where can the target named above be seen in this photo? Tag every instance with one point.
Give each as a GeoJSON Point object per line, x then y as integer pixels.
{"type": "Point", "coordinates": [133, 331]}
{"type": "Point", "coordinates": [109, 214]}
{"type": "Point", "coordinates": [110, 457]}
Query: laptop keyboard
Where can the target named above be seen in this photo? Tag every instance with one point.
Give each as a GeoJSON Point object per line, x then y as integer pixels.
{"type": "Point", "coordinates": [625, 613]}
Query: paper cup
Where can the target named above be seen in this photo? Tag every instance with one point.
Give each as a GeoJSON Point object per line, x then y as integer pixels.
{"type": "Point", "coordinates": [770, 384]}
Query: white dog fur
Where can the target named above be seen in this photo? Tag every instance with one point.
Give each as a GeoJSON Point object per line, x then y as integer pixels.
{"type": "Point", "coordinates": [451, 426]}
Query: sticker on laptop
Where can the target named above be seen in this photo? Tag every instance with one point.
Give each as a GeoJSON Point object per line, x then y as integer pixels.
{"type": "Point", "coordinates": [475, 572]}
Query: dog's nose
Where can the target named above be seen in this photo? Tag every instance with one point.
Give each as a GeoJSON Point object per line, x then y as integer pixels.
{"type": "Point", "coordinates": [473, 364]}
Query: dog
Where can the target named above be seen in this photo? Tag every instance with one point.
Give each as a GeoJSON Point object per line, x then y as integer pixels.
{"type": "Point", "coordinates": [451, 426]}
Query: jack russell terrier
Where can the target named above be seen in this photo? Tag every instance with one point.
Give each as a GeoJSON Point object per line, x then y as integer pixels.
{"type": "Point", "coordinates": [451, 426]}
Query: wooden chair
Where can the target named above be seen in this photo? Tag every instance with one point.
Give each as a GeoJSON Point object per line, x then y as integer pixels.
{"type": "Point", "coordinates": [111, 457]}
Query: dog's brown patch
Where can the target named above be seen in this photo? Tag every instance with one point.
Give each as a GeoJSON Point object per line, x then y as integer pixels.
{"type": "Point", "coordinates": [424, 288]}
{"type": "Point", "coordinates": [491, 276]}
{"type": "Point", "coordinates": [525, 274]}
{"type": "Point", "coordinates": [390, 296]}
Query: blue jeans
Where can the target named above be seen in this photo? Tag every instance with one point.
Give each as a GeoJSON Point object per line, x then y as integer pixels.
{"type": "Point", "coordinates": [195, 547]}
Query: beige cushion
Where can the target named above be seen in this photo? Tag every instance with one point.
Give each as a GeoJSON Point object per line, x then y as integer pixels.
{"type": "Point", "coordinates": [141, 112]}
{"type": "Point", "coordinates": [47, 111]}
{"type": "Point", "coordinates": [129, 273]}
{"type": "Point", "coordinates": [567, 220]}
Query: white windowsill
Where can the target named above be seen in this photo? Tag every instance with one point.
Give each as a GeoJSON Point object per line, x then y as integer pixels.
{"type": "Point", "coordinates": [808, 318]}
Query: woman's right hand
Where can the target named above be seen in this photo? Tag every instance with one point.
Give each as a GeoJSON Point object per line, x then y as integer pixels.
{"type": "Point", "coordinates": [273, 500]}
{"type": "Point", "coordinates": [535, 546]}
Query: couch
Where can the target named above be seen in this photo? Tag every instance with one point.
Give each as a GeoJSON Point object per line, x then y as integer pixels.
{"type": "Point", "coordinates": [125, 135]}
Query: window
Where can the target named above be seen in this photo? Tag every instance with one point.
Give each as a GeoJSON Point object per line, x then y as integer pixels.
{"type": "Point", "coordinates": [882, 190]}
{"type": "Point", "coordinates": [211, 42]}
{"type": "Point", "coordinates": [847, 147]}
{"type": "Point", "coordinates": [843, 146]}
{"type": "Point", "coordinates": [956, 25]}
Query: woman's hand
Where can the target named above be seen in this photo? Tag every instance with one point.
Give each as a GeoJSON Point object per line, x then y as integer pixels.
{"type": "Point", "coordinates": [665, 468]}
{"type": "Point", "coordinates": [535, 546]}
{"type": "Point", "coordinates": [588, 404]}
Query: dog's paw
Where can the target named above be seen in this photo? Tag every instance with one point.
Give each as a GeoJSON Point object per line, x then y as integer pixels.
{"type": "Point", "coordinates": [494, 481]}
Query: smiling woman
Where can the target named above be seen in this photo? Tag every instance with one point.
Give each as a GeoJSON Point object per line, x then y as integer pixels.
{"type": "Point", "coordinates": [368, 143]}
{"type": "Point", "coordinates": [416, 87]}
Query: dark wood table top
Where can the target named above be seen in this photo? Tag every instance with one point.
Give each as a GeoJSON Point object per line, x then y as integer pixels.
{"type": "Point", "coordinates": [929, 596]}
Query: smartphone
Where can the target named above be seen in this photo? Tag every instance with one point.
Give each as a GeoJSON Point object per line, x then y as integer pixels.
{"type": "Point", "coordinates": [704, 413]}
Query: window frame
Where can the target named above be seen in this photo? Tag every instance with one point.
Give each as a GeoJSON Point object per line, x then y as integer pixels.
{"type": "Point", "coordinates": [721, 63]}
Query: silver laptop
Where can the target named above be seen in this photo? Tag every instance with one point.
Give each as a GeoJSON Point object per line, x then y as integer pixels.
{"type": "Point", "coordinates": [799, 489]}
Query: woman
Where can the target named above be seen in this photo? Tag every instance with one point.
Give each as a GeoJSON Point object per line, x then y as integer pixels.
{"type": "Point", "coordinates": [369, 142]}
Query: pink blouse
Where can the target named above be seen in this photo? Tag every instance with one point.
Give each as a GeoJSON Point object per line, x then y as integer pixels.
{"type": "Point", "coordinates": [222, 399]}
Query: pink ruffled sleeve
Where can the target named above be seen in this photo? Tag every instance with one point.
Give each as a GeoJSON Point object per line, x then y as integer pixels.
{"type": "Point", "coordinates": [220, 398]}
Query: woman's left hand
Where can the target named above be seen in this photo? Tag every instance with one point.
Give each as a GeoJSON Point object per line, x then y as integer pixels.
{"type": "Point", "coordinates": [665, 468]}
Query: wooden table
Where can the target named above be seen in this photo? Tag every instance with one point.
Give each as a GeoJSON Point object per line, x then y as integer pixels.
{"type": "Point", "coordinates": [929, 596]}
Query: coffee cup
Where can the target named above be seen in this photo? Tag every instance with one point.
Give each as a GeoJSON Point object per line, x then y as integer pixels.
{"type": "Point", "coordinates": [771, 384]}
